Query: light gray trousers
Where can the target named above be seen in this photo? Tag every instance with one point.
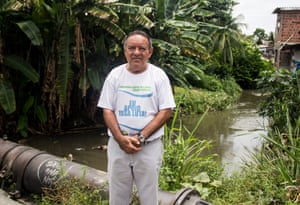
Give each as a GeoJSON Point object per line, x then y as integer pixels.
{"type": "Point", "coordinates": [141, 169]}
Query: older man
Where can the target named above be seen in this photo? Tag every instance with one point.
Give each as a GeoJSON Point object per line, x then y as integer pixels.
{"type": "Point", "coordinates": [136, 100]}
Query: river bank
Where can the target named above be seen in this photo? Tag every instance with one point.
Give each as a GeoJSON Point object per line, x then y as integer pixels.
{"type": "Point", "coordinates": [233, 133]}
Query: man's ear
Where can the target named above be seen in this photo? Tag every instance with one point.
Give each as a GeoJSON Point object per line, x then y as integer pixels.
{"type": "Point", "coordinates": [151, 51]}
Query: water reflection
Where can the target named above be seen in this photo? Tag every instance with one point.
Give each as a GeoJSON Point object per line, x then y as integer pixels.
{"type": "Point", "coordinates": [233, 133]}
{"type": "Point", "coordinates": [85, 147]}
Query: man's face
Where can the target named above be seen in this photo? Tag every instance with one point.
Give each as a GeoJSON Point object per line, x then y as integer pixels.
{"type": "Point", "coordinates": [137, 53]}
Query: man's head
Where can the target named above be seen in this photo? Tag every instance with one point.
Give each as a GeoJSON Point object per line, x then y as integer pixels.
{"type": "Point", "coordinates": [138, 49]}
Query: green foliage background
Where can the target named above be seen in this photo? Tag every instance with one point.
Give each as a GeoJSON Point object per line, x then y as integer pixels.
{"type": "Point", "coordinates": [59, 53]}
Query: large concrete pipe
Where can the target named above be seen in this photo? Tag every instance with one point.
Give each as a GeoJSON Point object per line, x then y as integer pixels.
{"type": "Point", "coordinates": [33, 169]}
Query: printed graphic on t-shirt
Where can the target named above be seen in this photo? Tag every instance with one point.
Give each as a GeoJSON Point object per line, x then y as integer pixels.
{"type": "Point", "coordinates": [135, 88]}
{"type": "Point", "coordinates": [132, 110]}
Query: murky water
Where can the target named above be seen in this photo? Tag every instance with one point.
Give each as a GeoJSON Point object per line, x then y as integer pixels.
{"type": "Point", "coordinates": [234, 133]}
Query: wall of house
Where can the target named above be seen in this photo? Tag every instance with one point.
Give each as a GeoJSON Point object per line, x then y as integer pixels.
{"type": "Point", "coordinates": [287, 37]}
{"type": "Point", "coordinates": [288, 26]}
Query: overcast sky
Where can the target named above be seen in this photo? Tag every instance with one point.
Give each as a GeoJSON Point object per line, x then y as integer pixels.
{"type": "Point", "coordinates": [259, 13]}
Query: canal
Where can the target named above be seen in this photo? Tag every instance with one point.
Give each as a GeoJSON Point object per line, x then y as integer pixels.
{"type": "Point", "coordinates": [234, 134]}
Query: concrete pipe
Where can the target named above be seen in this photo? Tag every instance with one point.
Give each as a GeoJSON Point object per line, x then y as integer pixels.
{"type": "Point", "coordinates": [33, 169]}
{"type": "Point", "coordinates": [186, 196]}
{"type": "Point", "coordinates": [46, 169]}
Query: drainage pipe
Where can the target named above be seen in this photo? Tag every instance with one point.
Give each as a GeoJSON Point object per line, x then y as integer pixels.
{"type": "Point", "coordinates": [33, 169]}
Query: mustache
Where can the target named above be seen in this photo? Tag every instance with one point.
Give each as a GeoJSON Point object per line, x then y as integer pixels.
{"type": "Point", "coordinates": [136, 57]}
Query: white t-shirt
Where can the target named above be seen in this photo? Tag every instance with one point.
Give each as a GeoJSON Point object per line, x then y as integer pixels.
{"type": "Point", "coordinates": [136, 98]}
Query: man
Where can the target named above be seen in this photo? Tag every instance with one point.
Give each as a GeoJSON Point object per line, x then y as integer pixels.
{"type": "Point", "coordinates": [137, 100]}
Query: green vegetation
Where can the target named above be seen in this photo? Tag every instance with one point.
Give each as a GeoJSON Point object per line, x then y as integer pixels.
{"type": "Point", "coordinates": [185, 163]}
{"type": "Point", "coordinates": [249, 67]}
{"type": "Point", "coordinates": [282, 105]}
{"type": "Point", "coordinates": [72, 192]}
{"type": "Point", "coordinates": [54, 55]}
{"type": "Point", "coordinates": [199, 100]}
{"type": "Point", "coordinates": [272, 177]}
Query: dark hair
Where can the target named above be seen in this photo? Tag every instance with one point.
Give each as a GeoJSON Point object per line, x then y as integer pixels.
{"type": "Point", "coordinates": [138, 32]}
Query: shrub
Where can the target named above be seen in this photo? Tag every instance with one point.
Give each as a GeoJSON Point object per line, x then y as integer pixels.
{"type": "Point", "coordinates": [196, 101]}
{"type": "Point", "coordinates": [248, 67]}
{"type": "Point", "coordinates": [282, 103]}
{"type": "Point", "coordinates": [185, 164]}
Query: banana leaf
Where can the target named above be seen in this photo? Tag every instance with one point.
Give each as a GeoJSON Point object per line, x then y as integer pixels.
{"type": "Point", "coordinates": [25, 68]}
{"type": "Point", "coordinates": [7, 97]}
{"type": "Point", "coordinates": [32, 32]}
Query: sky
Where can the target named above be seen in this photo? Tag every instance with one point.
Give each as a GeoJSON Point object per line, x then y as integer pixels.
{"type": "Point", "coordinates": [259, 13]}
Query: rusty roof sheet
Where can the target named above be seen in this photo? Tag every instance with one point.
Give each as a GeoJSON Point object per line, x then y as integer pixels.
{"type": "Point", "coordinates": [279, 9]}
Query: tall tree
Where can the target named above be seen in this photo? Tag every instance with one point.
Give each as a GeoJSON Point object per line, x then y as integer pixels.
{"type": "Point", "coordinates": [227, 37]}
{"type": "Point", "coordinates": [58, 38]}
{"type": "Point", "coordinates": [180, 45]}
{"type": "Point", "coordinates": [19, 79]}
{"type": "Point", "coordinates": [62, 50]}
{"type": "Point", "coordinates": [259, 36]}
{"type": "Point", "coordinates": [225, 29]}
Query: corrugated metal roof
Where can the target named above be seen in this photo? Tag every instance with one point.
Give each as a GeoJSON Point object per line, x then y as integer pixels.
{"type": "Point", "coordinates": [278, 9]}
{"type": "Point", "coordinates": [292, 44]}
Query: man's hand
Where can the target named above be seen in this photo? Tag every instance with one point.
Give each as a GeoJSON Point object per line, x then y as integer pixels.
{"type": "Point", "coordinates": [130, 144]}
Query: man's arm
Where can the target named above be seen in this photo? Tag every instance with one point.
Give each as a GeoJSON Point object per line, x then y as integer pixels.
{"type": "Point", "coordinates": [157, 122]}
{"type": "Point", "coordinates": [127, 143]}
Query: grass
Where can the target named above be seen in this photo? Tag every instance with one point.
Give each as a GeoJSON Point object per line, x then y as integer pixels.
{"type": "Point", "coordinates": [71, 191]}
{"type": "Point", "coordinates": [194, 101]}
{"type": "Point", "coordinates": [184, 164]}
{"type": "Point", "coordinates": [272, 177]}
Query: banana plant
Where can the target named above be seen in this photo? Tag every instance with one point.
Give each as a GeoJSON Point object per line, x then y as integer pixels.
{"type": "Point", "coordinates": [66, 48]}
{"type": "Point", "coordinates": [64, 38]}
{"type": "Point", "coordinates": [180, 45]}
{"type": "Point", "coordinates": [28, 73]}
